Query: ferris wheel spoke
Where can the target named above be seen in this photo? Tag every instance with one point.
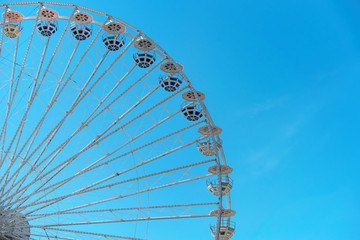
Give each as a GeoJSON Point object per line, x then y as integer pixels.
{"type": "Point", "coordinates": [37, 84]}
{"type": "Point", "coordinates": [52, 236]}
{"type": "Point", "coordinates": [121, 94]}
{"type": "Point", "coordinates": [106, 236]}
{"type": "Point", "coordinates": [6, 201]}
{"type": "Point", "coordinates": [82, 126]}
{"type": "Point", "coordinates": [90, 188]}
{"type": "Point", "coordinates": [18, 131]}
{"type": "Point", "coordinates": [98, 138]}
{"type": "Point", "coordinates": [19, 183]}
{"type": "Point", "coordinates": [133, 139]}
{"type": "Point", "coordinates": [89, 169]}
{"type": "Point", "coordinates": [42, 79]}
{"type": "Point", "coordinates": [67, 162]}
{"type": "Point", "coordinates": [3, 132]}
{"type": "Point", "coordinates": [95, 141]}
{"type": "Point", "coordinates": [85, 170]}
{"type": "Point", "coordinates": [80, 98]}
{"type": "Point", "coordinates": [75, 103]}
{"type": "Point", "coordinates": [11, 92]}
{"type": "Point", "coordinates": [123, 220]}
{"type": "Point", "coordinates": [175, 182]}
{"type": "Point", "coordinates": [85, 123]}
{"type": "Point", "coordinates": [34, 133]}
{"type": "Point", "coordinates": [53, 132]}
{"type": "Point", "coordinates": [113, 210]}
{"type": "Point", "coordinates": [55, 95]}
{"type": "Point", "coordinates": [35, 88]}
{"type": "Point", "coordinates": [140, 164]}
{"type": "Point", "coordinates": [150, 160]}
{"type": "Point", "coordinates": [2, 29]}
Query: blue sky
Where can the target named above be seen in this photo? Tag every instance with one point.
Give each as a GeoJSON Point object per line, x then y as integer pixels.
{"type": "Point", "coordinates": [282, 79]}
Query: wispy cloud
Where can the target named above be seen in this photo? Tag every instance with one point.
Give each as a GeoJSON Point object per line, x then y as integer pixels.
{"type": "Point", "coordinates": [268, 105]}
{"type": "Point", "coordinates": [267, 157]}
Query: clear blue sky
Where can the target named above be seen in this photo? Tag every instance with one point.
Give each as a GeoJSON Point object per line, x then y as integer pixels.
{"type": "Point", "coordinates": [281, 78]}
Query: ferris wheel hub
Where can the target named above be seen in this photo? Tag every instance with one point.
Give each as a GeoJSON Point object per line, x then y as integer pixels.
{"type": "Point", "coordinates": [13, 225]}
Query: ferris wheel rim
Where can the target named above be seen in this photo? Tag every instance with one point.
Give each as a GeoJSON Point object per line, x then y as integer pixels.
{"type": "Point", "coordinates": [167, 56]}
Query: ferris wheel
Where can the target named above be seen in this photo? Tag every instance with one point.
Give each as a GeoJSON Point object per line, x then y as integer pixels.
{"type": "Point", "coordinates": [102, 133]}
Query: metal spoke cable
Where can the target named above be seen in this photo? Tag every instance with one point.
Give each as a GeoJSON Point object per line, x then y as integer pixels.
{"type": "Point", "coordinates": [107, 162]}
{"type": "Point", "coordinates": [123, 209]}
{"type": "Point", "coordinates": [87, 169]}
{"type": "Point", "coordinates": [42, 79]}
{"type": "Point", "coordinates": [35, 89]}
{"type": "Point", "coordinates": [91, 189]}
{"type": "Point", "coordinates": [58, 94]}
{"type": "Point", "coordinates": [126, 195]}
{"type": "Point", "coordinates": [85, 233]}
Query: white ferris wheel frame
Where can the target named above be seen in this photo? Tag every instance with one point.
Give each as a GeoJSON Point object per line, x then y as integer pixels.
{"type": "Point", "coordinates": [219, 158]}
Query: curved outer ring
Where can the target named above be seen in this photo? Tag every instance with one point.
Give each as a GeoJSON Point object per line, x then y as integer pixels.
{"type": "Point", "coordinates": [209, 120]}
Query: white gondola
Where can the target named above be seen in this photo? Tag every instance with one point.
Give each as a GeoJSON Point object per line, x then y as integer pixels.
{"type": "Point", "coordinates": [112, 43]}
{"type": "Point", "coordinates": [12, 30]}
{"type": "Point", "coordinates": [191, 112]}
{"type": "Point", "coordinates": [112, 39]}
{"type": "Point", "coordinates": [170, 83]}
{"type": "Point", "coordinates": [206, 148]}
{"type": "Point", "coordinates": [46, 28]}
{"type": "Point", "coordinates": [12, 27]}
{"type": "Point", "coordinates": [144, 60]}
{"type": "Point", "coordinates": [47, 24]}
{"type": "Point", "coordinates": [226, 231]}
{"type": "Point", "coordinates": [80, 28]}
{"type": "Point", "coordinates": [226, 185]}
{"type": "Point", "coordinates": [80, 32]}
